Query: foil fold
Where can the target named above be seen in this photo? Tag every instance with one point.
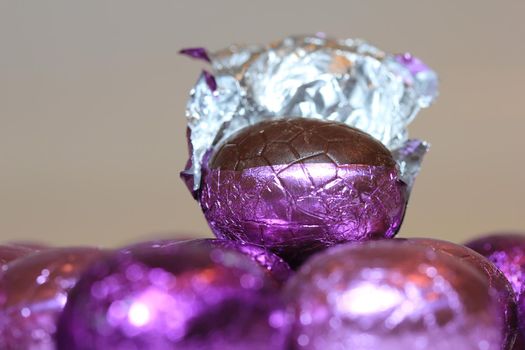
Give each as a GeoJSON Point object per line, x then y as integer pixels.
{"type": "Point", "coordinates": [348, 81]}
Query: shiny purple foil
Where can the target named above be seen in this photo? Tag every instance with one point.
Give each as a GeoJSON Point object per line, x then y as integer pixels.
{"type": "Point", "coordinates": [497, 281]}
{"type": "Point", "coordinates": [174, 297]}
{"type": "Point", "coordinates": [507, 252]}
{"type": "Point", "coordinates": [276, 267]}
{"type": "Point", "coordinates": [296, 209]}
{"type": "Point", "coordinates": [390, 295]}
{"type": "Point", "coordinates": [33, 291]}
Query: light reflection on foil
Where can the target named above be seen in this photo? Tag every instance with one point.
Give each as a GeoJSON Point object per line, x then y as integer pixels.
{"type": "Point", "coordinates": [348, 81]}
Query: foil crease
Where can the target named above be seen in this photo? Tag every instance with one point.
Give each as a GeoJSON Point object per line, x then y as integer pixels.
{"type": "Point", "coordinates": [348, 81]}
{"type": "Point", "coordinates": [292, 213]}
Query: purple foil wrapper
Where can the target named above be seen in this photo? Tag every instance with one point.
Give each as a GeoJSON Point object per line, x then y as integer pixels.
{"type": "Point", "coordinates": [276, 267]}
{"type": "Point", "coordinates": [199, 53]}
{"type": "Point", "coordinates": [174, 297]}
{"type": "Point", "coordinates": [389, 295]}
{"type": "Point", "coordinates": [297, 209]}
{"type": "Point", "coordinates": [497, 281]}
{"type": "Point", "coordinates": [507, 252]}
{"type": "Point", "coordinates": [33, 291]}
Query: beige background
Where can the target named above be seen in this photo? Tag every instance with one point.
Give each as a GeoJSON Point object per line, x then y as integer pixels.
{"type": "Point", "coordinates": [92, 97]}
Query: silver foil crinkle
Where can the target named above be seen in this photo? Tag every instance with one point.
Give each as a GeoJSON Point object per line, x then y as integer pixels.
{"type": "Point", "coordinates": [348, 81]}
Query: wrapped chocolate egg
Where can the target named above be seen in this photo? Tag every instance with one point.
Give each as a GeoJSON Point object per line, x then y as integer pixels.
{"type": "Point", "coordinates": [507, 253]}
{"type": "Point", "coordinates": [174, 297]}
{"type": "Point", "coordinates": [33, 291]}
{"type": "Point", "coordinates": [495, 277]}
{"type": "Point", "coordinates": [391, 295]}
{"type": "Point", "coordinates": [295, 185]}
{"type": "Point", "coordinates": [302, 144]}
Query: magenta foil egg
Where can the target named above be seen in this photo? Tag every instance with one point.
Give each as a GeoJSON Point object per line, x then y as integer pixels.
{"type": "Point", "coordinates": [497, 281]}
{"type": "Point", "coordinates": [33, 291]}
{"type": "Point", "coordinates": [275, 267]}
{"type": "Point", "coordinates": [390, 295]}
{"type": "Point", "coordinates": [507, 253]}
{"type": "Point", "coordinates": [296, 186]}
{"type": "Point", "coordinates": [174, 297]}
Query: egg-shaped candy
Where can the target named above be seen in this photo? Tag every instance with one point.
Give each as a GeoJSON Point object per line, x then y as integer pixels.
{"type": "Point", "coordinates": [33, 291]}
{"type": "Point", "coordinates": [174, 296]}
{"type": "Point", "coordinates": [298, 185]}
{"type": "Point", "coordinates": [390, 295]}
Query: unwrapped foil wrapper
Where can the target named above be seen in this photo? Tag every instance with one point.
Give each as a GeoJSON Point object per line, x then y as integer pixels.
{"type": "Point", "coordinates": [348, 81]}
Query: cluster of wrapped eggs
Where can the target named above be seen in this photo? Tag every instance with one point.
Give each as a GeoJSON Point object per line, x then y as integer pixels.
{"type": "Point", "coordinates": [300, 160]}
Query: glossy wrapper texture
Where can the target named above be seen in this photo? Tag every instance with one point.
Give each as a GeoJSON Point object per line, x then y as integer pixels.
{"type": "Point", "coordinates": [507, 252]}
{"type": "Point", "coordinates": [276, 267]}
{"type": "Point", "coordinates": [390, 295]}
{"type": "Point", "coordinates": [295, 186]}
{"type": "Point", "coordinates": [347, 81]}
{"type": "Point", "coordinates": [33, 291]}
{"type": "Point", "coordinates": [9, 252]}
{"type": "Point", "coordinates": [495, 277]}
{"type": "Point", "coordinates": [174, 297]}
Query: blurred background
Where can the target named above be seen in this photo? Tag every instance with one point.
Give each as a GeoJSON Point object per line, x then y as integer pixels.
{"type": "Point", "coordinates": [92, 99]}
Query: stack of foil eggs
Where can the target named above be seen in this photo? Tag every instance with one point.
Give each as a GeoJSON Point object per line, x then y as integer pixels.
{"type": "Point", "coordinates": [300, 159]}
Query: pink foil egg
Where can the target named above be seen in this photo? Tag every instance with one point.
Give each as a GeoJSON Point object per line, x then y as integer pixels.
{"type": "Point", "coordinates": [390, 295]}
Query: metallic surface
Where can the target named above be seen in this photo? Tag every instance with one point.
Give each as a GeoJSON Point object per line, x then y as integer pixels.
{"type": "Point", "coordinates": [174, 297]}
{"type": "Point", "coordinates": [9, 252]}
{"type": "Point", "coordinates": [296, 209]}
{"type": "Point", "coordinates": [496, 279]}
{"type": "Point", "coordinates": [507, 253]}
{"type": "Point", "coordinates": [299, 141]}
{"type": "Point", "coordinates": [348, 81]}
{"type": "Point", "coordinates": [33, 291]}
{"type": "Point", "coordinates": [391, 295]}
{"type": "Point", "coordinates": [276, 267]}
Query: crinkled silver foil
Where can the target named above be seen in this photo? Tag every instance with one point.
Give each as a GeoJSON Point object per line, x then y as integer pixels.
{"type": "Point", "coordinates": [348, 81]}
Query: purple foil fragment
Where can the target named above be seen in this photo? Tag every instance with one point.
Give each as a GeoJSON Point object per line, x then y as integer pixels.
{"type": "Point", "coordinates": [33, 291]}
{"type": "Point", "coordinates": [210, 80]}
{"type": "Point", "coordinates": [295, 210]}
{"type": "Point", "coordinates": [174, 296]}
{"type": "Point", "coordinates": [412, 63]}
{"type": "Point", "coordinates": [199, 53]}
{"type": "Point", "coordinates": [389, 295]}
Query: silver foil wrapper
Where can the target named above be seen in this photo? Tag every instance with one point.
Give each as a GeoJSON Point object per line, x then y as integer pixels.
{"type": "Point", "coordinates": [348, 81]}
